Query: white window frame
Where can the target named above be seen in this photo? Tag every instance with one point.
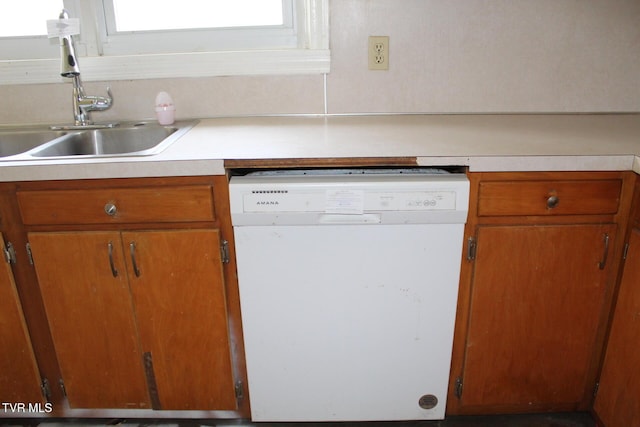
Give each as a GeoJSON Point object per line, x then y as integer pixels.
{"type": "Point", "coordinates": [310, 56]}
{"type": "Point", "coordinates": [205, 40]}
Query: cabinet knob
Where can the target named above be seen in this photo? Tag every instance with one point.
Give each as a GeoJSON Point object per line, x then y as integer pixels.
{"type": "Point", "coordinates": [553, 201]}
{"type": "Point", "coordinates": [110, 209]}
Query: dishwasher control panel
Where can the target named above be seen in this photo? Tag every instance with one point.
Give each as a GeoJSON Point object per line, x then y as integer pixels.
{"type": "Point", "coordinates": [347, 201]}
{"type": "Point", "coordinates": [310, 199]}
{"type": "Point", "coordinates": [418, 200]}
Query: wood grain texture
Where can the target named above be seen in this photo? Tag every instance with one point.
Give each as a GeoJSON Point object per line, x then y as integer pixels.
{"type": "Point", "coordinates": [504, 198]}
{"type": "Point", "coordinates": [87, 206]}
{"type": "Point", "coordinates": [211, 214]}
{"type": "Point", "coordinates": [180, 307]}
{"type": "Point", "coordinates": [536, 298]}
{"type": "Point", "coordinates": [29, 292]}
{"type": "Point", "coordinates": [618, 401]}
{"type": "Point", "coordinates": [496, 269]}
{"type": "Point", "coordinates": [19, 376]}
{"type": "Point", "coordinates": [90, 317]}
{"type": "Point", "coordinates": [332, 162]}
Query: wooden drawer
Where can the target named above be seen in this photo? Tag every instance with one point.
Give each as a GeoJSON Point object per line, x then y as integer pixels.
{"type": "Point", "coordinates": [117, 205]}
{"type": "Point", "coordinates": [570, 197]}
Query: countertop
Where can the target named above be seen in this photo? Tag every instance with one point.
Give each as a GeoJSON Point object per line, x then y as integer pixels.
{"type": "Point", "coordinates": [519, 142]}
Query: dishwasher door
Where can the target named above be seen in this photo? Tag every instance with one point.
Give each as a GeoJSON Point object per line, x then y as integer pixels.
{"type": "Point", "coordinates": [348, 322]}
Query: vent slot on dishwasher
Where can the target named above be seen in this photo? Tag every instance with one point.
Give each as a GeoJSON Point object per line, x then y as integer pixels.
{"type": "Point", "coordinates": [370, 170]}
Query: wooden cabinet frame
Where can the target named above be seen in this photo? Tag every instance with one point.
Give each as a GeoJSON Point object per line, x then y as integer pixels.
{"type": "Point", "coordinates": [523, 217]}
{"type": "Point", "coordinates": [29, 298]}
{"type": "Point", "coordinates": [215, 218]}
{"type": "Point", "coordinates": [19, 376]}
{"type": "Point", "coordinates": [617, 403]}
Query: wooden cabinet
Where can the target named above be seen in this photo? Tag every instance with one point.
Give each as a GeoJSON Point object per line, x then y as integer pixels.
{"type": "Point", "coordinates": [617, 403]}
{"type": "Point", "coordinates": [19, 376]}
{"type": "Point", "coordinates": [537, 283]}
{"type": "Point", "coordinates": [91, 321]}
{"type": "Point", "coordinates": [100, 206]}
{"type": "Point", "coordinates": [537, 292]}
{"type": "Point", "coordinates": [176, 281]}
{"type": "Point", "coordinates": [139, 301]}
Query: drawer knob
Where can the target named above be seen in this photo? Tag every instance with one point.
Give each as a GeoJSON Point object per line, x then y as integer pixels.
{"type": "Point", "coordinates": [553, 201]}
{"type": "Point", "coordinates": [110, 209]}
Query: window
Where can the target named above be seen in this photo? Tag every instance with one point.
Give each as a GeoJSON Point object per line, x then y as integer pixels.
{"type": "Point", "coordinates": [125, 15]}
{"type": "Point", "coordinates": [23, 29]}
{"type": "Point", "coordinates": [202, 26]}
{"type": "Point", "coordinates": [139, 39]}
{"type": "Point", "coordinates": [13, 24]}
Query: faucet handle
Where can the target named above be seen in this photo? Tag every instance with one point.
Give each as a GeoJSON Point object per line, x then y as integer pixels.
{"type": "Point", "coordinates": [109, 98]}
{"type": "Point", "coordinates": [101, 102]}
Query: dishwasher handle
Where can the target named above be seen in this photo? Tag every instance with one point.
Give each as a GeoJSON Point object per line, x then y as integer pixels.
{"type": "Point", "coordinates": [347, 219]}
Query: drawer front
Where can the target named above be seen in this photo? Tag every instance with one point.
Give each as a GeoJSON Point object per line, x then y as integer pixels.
{"type": "Point", "coordinates": [117, 205]}
{"type": "Point", "coordinates": [502, 198]}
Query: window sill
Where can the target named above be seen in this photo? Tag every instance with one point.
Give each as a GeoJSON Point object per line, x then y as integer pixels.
{"type": "Point", "coordinates": [196, 64]}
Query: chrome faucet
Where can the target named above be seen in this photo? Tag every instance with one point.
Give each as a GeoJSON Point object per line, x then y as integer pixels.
{"type": "Point", "coordinates": [82, 104]}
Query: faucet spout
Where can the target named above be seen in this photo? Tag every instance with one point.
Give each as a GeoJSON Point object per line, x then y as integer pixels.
{"type": "Point", "coordinates": [82, 104]}
{"type": "Point", "coordinates": [69, 64]}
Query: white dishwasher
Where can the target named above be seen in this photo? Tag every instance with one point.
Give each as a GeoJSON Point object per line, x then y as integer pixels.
{"type": "Point", "coordinates": [348, 289]}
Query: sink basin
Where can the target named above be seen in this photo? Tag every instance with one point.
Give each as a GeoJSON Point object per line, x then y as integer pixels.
{"type": "Point", "coordinates": [14, 142]}
{"type": "Point", "coordinates": [139, 139]}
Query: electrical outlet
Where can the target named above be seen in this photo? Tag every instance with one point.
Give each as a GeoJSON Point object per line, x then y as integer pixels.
{"type": "Point", "coordinates": [378, 52]}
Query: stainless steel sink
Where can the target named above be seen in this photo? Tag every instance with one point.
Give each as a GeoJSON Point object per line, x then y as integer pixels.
{"type": "Point", "coordinates": [127, 139]}
{"type": "Point", "coordinates": [19, 141]}
{"type": "Point", "coordinates": [138, 139]}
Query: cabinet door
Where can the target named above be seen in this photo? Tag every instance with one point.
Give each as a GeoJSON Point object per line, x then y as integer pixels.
{"type": "Point", "coordinates": [19, 376]}
{"type": "Point", "coordinates": [91, 318]}
{"type": "Point", "coordinates": [536, 301]}
{"type": "Point", "coordinates": [618, 400]}
{"type": "Point", "coordinates": [178, 290]}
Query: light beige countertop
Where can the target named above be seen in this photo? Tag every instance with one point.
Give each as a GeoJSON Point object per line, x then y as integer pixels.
{"type": "Point", "coordinates": [481, 142]}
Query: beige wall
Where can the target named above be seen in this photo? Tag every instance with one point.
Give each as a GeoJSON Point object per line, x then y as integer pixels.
{"type": "Point", "coordinates": [463, 56]}
{"type": "Point", "coordinates": [488, 56]}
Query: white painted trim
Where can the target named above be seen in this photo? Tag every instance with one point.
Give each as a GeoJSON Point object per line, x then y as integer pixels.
{"type": "Point", "coordinates": [283, 62]}
{"type": "Point", "coordinates": [289, 35]}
